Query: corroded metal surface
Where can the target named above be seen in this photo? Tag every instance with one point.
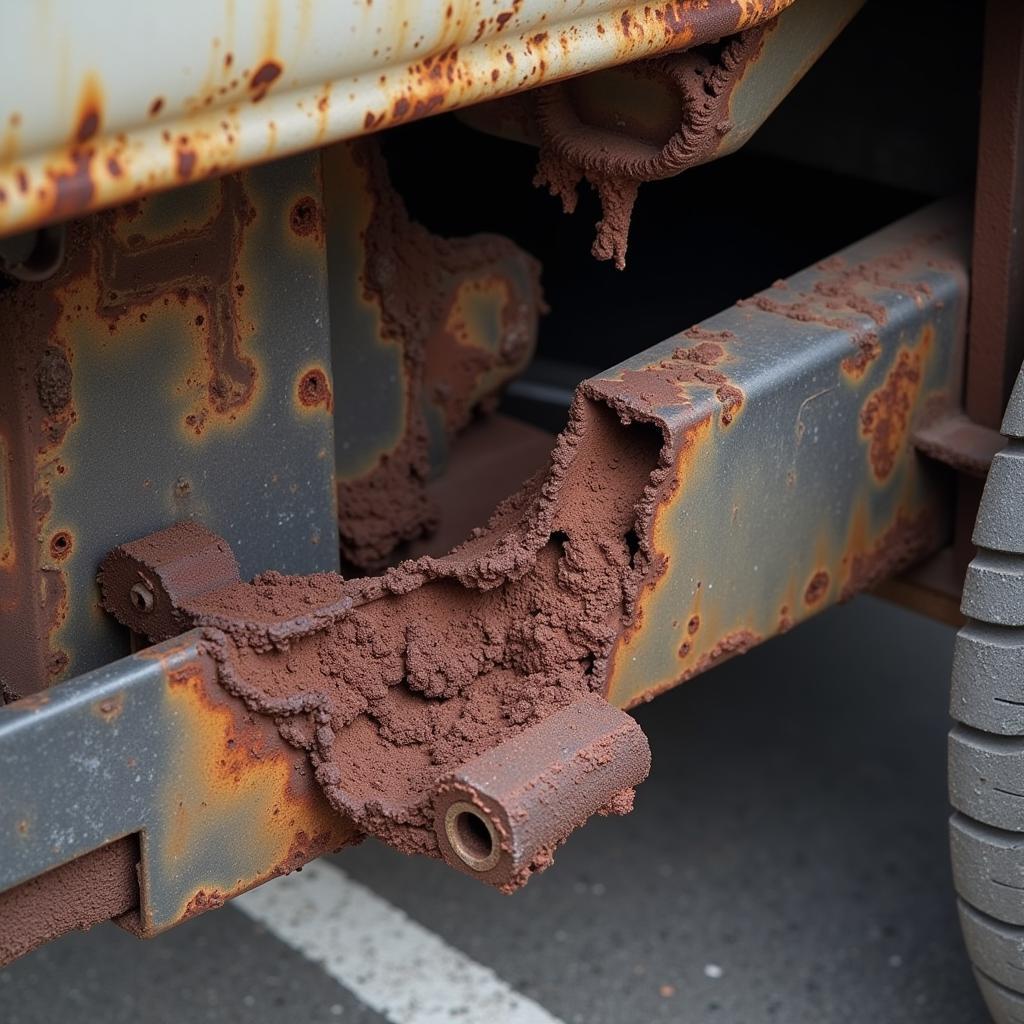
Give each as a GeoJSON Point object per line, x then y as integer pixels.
{"type": "Point", "coordinates": [219, 800]}
{"type": "Point", "coordinates": [425, 332]}
{"type": "Point", "coordinates": [706, 494]}
{"type": "Point", "coordinates": [163, 374]}
{"type": "Point", "coordinates": [85, 124]}
{"type": "Point", "coordinates": [657, 118]}
{"type": "Point", "coordinates": [499, 802]}
{"type": "Point", "coordinates": [789, 421]}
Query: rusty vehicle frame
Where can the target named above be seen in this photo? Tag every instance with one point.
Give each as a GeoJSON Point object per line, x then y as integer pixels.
{"type": "Point", "coordinates": [211, 280]}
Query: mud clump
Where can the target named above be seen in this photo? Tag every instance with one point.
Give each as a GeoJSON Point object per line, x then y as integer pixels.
{"type": "Point", "coordinates": [663, 383]}
{"type": "Point", "coordinates": [817, 588]}
{"type": "Point", "coordinates": [79, 894]}
{"type": "Point", "coordinates": [420, 283]}
{"type": "Point", "coordinates": [396, 684]}
{"type": "Point", "coordinates": [701, 81]}
{"type": "Point", "coordinates": [393, 683]}
{"type": "Point", "coordinates": [53, 380]}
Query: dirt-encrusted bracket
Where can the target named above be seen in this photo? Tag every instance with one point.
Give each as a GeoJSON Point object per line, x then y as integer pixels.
{"type": "Point", "coordinates": [453, 706]}
{"type": "Point", "coordinates": [449, 706]}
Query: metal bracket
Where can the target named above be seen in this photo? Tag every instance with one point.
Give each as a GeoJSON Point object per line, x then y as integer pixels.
{"type": "Point", "coordinates": [152, 745]}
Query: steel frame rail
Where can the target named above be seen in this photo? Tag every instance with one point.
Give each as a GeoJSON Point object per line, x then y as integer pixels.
{"type": "Point", "coordinates": [788, 481]}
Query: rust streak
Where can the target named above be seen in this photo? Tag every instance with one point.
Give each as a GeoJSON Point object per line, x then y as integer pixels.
{"type": "Point", "coordinates": [314, 390]}
{"type": "Point", "coordinates": [885, 419]}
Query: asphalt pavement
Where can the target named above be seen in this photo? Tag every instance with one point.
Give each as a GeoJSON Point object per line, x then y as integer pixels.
{"type": "Point", "coordinates": [786, 862]}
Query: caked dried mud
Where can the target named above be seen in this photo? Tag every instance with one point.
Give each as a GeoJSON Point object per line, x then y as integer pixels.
{"type": "Point", "coordinates": [393, 683]}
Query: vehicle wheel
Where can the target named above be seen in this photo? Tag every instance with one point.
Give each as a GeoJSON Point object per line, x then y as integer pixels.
{"type": "Point", "coordinates": [986, 745]}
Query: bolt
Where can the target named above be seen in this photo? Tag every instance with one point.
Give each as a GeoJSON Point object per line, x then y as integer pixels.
{"type": "Point", "coordinates": [141, 597]}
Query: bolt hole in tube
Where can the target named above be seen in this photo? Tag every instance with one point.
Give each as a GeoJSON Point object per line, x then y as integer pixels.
{"type": "Point", "coordinates": [141, 597]}
{"type": "Point", "coordinates": [472, 836]}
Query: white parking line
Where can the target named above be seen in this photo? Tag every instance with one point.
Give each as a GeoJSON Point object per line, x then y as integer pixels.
{"type": "Point", "coordinates": [394, 965]}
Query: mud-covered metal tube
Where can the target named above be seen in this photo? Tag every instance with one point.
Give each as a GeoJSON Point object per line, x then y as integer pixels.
{"type": "Point", "coordinates": [150, 579]}
{"type": "Point", "coordinates": [501, 815]}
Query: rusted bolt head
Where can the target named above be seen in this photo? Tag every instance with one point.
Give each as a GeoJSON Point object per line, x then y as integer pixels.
{"type": "Point", "coordinates": [472, 836]}
{"type": "Point", "coordinates": [141, 597]}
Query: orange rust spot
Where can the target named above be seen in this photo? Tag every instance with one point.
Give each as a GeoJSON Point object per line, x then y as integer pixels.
{"type": "Point", "coordinates": [693, 625]}
{"type": "Point", "coordinates": [61, 544]}
{"type": "Point", "coordinates": [109, 709]}
{"type": "Point", "coordinates": [233, 774]}
{"type": "Point", "coordinates": [423, 107]}
{"type": "Point", "coordinates": [89, 118]}
{"type": "Point", "coordinates": [263, 78]}
{"type": "Point", "coordinates": [315, 390]}
{"type": "Point", "coordinates": [114, 166]}
{"type": "Point", "coordinates": [868, 350]}
{"type": "Point", "coordinates": [33, 701]}
{"type": "Point", "coordinates": [817, 587]}
{"type": "Point", "coordinates": [739, 641]}
{"type": "Point", "coordinates": [675, 21]}
{"type": "Point", "coordinates": [156, 106]}
{"type": "Point", "coordinates": [885, 418]}
{"type": "Point", "coordinates": [200, 271]}
{"type": "Point", "coordinates": [88, 126]}
{"type": "Point", "coordinates": [306, 218]}
{"type": "Point", "coordinates": [58, 660]}
{"type": "Point", "coordinates": [668, 382]}
{"type": "Point", "coordinates": [906, 540]}
{"type": "Point", "coordinates": [203, 901]}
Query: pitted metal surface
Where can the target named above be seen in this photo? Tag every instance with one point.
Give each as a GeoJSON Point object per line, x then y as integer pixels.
{"type": "Point", "coordinates": [392, 686]}
{"type": "Point", "coordinates": [81, 127]}
{"type": "Point", "coordinates": [218, 800]}
{"type": "Point", "coordinates": [158, 376]}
